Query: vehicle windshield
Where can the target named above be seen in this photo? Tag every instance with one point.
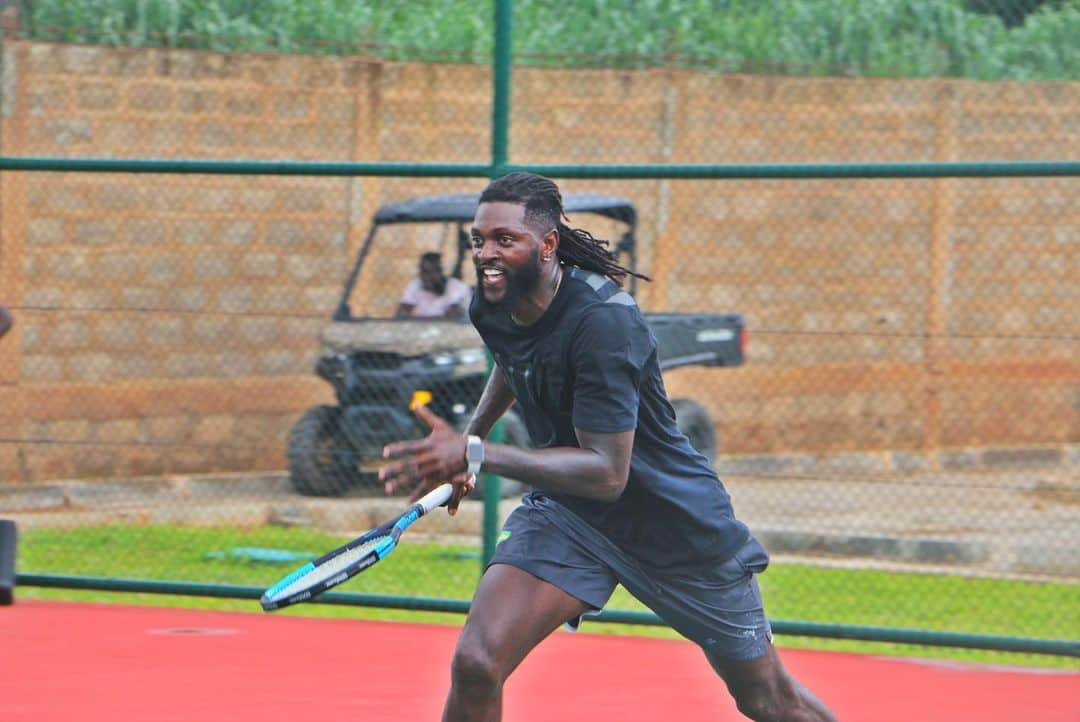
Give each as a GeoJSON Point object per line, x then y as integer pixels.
{"type": "Point", "coordinates": [414, 271]}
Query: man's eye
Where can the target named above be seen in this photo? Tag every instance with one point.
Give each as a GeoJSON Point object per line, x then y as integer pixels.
{"type": "Point", "coordinates": [477, 242]}
{"type": "Point", "coordinates": [506, 240]}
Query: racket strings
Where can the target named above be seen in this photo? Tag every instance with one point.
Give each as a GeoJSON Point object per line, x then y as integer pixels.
{"type": "Point", "coordinates": [329, 568]}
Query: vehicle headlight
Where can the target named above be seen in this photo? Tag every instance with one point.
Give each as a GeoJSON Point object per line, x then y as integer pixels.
{"type": "Point", "coordinates": [462, 363]}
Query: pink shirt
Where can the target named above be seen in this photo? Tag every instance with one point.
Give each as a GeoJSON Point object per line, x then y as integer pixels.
{"type": "Point", "coordinates": [426, 304]}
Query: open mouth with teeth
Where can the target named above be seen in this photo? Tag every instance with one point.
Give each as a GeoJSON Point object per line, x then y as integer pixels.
{"type": "Point", "coordinates": [492, 278]}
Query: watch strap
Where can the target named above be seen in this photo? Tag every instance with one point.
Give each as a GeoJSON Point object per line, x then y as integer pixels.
{"type": "Point", "coordinates": [474, 453]}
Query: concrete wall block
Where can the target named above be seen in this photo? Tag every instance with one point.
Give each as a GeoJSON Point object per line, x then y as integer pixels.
{"type": "Point", "coordinates": [69, 132]}
{"type": "Point", "coordinates": [238, 233]}
{"type": "Point", "coordinates": [124, 63]}
{"type": "Point", "coordinates": [244, 104]}
{"type": "Point", "coordinates": [259, 265]}
{"type": "Point", "coordinates": [236, 299]}
{"type": "Point", "coordinates": [167, 429]}
{"type": "Point", "coordinates": [258, 200]}
{"type": "Point", "coordinates": [46, 232]}
{"type": "Point", "coordinates": [331, 235]}
{"type": "Point", "coordinates": [143, 232]}
{"type": "Point", "coordinates": [210, 267]}
{"type": "Point", "coordinates": [150, 97]}
{"type": "Point", "coordinates": [163, 268]}
{"type": "Point", "coordinates": [293, 106]}
{"type": "Point", "coordinates": [216, 135]}
{"type": "Point", "coordinates": [44, 296]}
{"type": "Point", "coordinates": [118, 431]}
{"type": "Point", "coordinates": [258, 331]}
{"type": "Point", "coordinates": [96, 95]}
{"type": "Point", "coordinates": [81, 59]}
{"type": "Point", "coordinates": [101, 232]}
{"type": "Point", "coordinates": [68, 334]}
{"type": "Point", "coordinates": [93, 366]}
{"type": "Point", "coordinates": [190, 365]}
{"type": "Point", "coordinates": [132, 366]}
{"type": "Point", "coordinates": [140, 297]}
{"type": "Point", "coordinates": [41, 368]}
{"type": "Point", "coordinates": [47, 97]}
{"type": "Point", "coordinates": [197, 100]}
{"type": "Point", "coordinates": [166, 332]}
{"type": "Point", "coordinates": [214, 430]}
{"type": "Point", "coordinates": [191, 298]}
{"type": "Point", "coordinates": [286, 233]}
{"type": "Point", "coordinates": [70, 430]}
{"type": "Point", "coordinates": [213, 329]}
{"type": "Point", "coordinates": [321, 300]}
{"type": "Point", "coordinates": [117, 266]}
{"type": "Point", "coordinates": [303, 200]}
{"type": "Point", "coordinates": [279, 362]}
{"type": "Point", "coordinates": [233, 364]}
{"type": "Point", "coordinates": [120, 333]}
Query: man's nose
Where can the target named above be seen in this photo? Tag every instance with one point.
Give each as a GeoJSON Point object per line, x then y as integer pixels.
{"type": "Point", "coordinates": [485, 252]}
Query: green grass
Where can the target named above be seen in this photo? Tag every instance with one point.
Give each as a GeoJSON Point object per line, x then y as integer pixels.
{"type": "Point", "coordinates": [792, 592]}
{"type": "Point", "coordinates": [904, 38]}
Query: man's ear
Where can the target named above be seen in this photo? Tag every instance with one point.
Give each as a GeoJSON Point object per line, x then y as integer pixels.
{"type": "Point", "coordinates": [549, 244]}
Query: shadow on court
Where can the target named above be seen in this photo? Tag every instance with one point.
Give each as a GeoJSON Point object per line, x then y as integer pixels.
{"type": "Point", "coordinates": [95, 663]}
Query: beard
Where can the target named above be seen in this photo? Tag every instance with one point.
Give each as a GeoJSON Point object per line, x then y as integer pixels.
{"type": "Point", "coordinates": [520, 282]}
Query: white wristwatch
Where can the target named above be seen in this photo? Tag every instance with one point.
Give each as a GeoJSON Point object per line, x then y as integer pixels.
{"type": "Point", "coordinates": [474, 453]}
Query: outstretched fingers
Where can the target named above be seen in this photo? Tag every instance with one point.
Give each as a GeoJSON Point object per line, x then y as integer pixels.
{"type": "Point", "coordinates": [404, 448]}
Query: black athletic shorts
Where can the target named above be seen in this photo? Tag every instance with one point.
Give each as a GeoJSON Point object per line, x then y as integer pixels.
{"type": "Point", "coordinates": [718, 605]}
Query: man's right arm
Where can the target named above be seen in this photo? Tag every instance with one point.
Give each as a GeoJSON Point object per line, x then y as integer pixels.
{"type": "Point", "coordinates": [495, 401]}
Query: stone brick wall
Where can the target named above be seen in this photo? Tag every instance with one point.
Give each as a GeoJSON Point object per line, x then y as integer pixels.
{"type": "Point", "coordinates": [168, 322]}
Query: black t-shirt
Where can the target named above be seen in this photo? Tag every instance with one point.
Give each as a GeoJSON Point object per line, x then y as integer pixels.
{"type": "Point", "coordinates": [590, 362]}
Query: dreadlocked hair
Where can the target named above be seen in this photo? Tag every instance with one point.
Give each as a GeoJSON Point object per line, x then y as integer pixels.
{"type": "Point", "coordinates": [544, 207]}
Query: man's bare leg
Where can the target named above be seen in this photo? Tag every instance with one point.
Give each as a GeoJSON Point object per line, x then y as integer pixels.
{"type": "Point", "coordinates": [511, 613]}
{"type": "Point", "coordinates": [764, 691]}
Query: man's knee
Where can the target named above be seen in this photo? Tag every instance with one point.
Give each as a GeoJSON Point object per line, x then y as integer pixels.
{"type": "Point", "coordinates": [759, 702]}
{"type": "Point", "coordinates": [475, 669]}
{"type": "Point", "coordinates": [776, 701]}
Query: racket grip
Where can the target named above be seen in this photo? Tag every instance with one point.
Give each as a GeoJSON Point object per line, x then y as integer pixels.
{"type": "Point", "coordinates": [435, 498]}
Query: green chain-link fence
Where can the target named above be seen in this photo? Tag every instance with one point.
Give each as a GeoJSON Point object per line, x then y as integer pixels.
{"type": "Point", "coordinates": [205, 354]}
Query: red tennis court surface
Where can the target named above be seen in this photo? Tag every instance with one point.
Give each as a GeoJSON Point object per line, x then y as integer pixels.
{"type": "Point", "coordinates": [91, 662]}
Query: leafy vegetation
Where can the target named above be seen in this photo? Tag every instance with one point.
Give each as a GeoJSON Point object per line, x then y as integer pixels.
{"type": "Point", "coordinates": [908, 38]}
{"type": "Point", "coordinates": [430, 569]}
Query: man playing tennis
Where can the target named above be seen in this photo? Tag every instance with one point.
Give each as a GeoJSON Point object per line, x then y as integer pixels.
{"type": "Point", "coordinates": [620, 495]}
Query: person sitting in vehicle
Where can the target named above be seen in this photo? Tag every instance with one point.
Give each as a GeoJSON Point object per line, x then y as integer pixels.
{"type": "Point", "coordinates": [433, 294]}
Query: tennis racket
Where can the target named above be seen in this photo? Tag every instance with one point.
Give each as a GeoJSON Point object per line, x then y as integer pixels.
{"type": "Point", "coordinates": [347, 561]}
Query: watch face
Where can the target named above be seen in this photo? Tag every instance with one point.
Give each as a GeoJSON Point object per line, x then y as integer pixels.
{"type": "Point", "coordinates": [474, 451]}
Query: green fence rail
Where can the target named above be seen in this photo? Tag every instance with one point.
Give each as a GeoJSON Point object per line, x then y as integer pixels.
{"type": "Point", "coordinates": [657, 171]}
{"type": "Point", "coordinates": [1067, 648]}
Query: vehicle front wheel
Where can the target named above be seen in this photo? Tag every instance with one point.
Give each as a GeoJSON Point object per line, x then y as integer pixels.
{"type": "Point", "coordinates": [321, 460]}
{"type": "Point", "coordinates": [694, 421]}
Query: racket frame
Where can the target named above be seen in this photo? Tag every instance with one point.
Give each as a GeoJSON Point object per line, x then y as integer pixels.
{"type": "Point", "coordinates": [391, 530]}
